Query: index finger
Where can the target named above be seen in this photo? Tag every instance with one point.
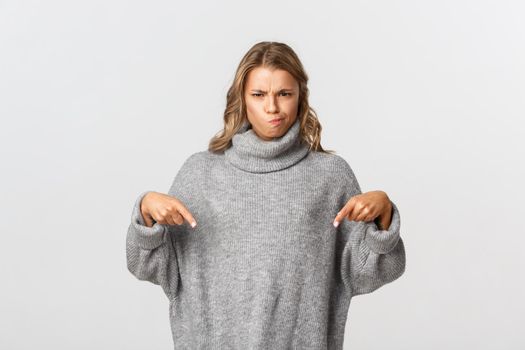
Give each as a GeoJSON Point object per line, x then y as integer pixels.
{"type": "Point", "coordinates": [344, 212]}
{"type": "Point", "coordinates": [186, 213]}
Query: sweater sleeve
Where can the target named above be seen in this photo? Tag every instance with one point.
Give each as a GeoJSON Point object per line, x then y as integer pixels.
{"type": "Point", "coordinates": [371, 257]}
{"type": "Point", "coordinates": [150, 253]}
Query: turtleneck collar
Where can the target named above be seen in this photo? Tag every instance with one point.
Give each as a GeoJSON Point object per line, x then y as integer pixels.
{"type": "Point", "coordinates": [251, 153]}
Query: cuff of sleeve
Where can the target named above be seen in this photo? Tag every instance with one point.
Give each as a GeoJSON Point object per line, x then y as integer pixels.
{"type": "Point", "coordinates": [383, 241]}
{"type": "Point", "coordinates": [145, 237]}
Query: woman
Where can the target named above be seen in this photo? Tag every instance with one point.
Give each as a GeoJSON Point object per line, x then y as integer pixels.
{"type": "Point", "coordinates": [264, 238]}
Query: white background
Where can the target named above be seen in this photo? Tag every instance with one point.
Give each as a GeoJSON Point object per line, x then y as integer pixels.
{"type": "Point", "coordinates": [101, 100]}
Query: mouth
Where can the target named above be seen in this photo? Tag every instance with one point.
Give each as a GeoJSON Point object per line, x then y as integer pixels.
{"type": "Point", "coordinates": [276, 121]}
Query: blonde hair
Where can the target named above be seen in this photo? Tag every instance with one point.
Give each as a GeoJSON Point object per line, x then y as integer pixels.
{"type": "Point", "coordinates": [272, 55]}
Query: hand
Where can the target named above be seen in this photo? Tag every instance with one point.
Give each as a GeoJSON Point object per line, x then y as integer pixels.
{"type": "Point", "coordinates": [366, 207]}
{"type": "Point", "coordinates": [164, 209]}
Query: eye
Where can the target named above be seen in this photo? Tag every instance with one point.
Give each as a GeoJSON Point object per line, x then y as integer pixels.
{"type": "Point", "coordinates": [282, 93]}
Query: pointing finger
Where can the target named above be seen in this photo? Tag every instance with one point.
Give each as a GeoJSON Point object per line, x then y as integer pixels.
{"type": "Point", "coordinates": [186, 214]}
{"type": "Point", "coordinates": [345, 212]}
{"type": "Point", "coordinates": [339, 216]}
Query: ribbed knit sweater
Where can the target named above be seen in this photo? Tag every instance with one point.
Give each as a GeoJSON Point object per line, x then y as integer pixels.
{"type": "Point", "coordinates": [264, 268]}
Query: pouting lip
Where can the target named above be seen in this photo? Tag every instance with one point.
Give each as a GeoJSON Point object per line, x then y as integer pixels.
{"type": "Point", "coordinates": [276, 119]}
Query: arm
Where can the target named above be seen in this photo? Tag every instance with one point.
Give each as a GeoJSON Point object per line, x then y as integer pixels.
{"type": "Point", "coordinates": [371, 257]}
{"type": "Point", "coordinates": [150, 254]}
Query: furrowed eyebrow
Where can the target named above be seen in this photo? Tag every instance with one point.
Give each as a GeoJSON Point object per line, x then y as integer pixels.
{"type": "Point", "coordinates": [282, 90]}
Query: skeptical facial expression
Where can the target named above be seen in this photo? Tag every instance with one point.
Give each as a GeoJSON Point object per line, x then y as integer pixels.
{"type": "Point", "coordinates": [272, 100]}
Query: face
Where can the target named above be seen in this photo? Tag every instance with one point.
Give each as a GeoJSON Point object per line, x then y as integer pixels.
{"type": "Point", "coordinates": [270, 95]}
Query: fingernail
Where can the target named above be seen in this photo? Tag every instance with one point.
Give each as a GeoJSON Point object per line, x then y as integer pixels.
{"type": "Point", "coordinates": [193, 224]}
{"type": "Point", "coordinates": [336, 223]}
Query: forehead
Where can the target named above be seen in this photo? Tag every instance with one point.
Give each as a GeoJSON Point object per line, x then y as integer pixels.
{"type": "Point", "coordinates": [264, 77]}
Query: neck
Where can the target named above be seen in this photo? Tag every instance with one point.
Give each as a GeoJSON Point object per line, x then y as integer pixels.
{"type": "Point", "coordinates": [251, 153]}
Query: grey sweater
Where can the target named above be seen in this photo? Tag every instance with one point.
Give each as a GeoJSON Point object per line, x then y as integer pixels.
{"type": "Point", "coordinates": [264, 268]}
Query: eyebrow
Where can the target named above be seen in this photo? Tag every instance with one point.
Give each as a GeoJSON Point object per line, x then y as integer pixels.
{"type": "Point", "coordinates": [282, 90]}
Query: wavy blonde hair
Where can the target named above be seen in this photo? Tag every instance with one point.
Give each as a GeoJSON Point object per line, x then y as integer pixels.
{"type": "Point", "coordinates": [271, 55]}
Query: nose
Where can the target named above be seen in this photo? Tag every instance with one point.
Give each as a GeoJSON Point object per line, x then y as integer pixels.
{"type": "Point", "coordinates": [271, 105]}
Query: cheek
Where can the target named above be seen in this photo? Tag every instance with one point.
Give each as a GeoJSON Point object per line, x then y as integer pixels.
{"type": "Point", "coordinates": [253, 108]}
{"type": "Point", "coordinates": [250, 107]}
{"type": "Point", "coordinates": [292, 105]}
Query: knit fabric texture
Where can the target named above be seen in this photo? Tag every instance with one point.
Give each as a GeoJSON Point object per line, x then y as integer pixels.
{"type": "Point", "coordinates": [264, 268]}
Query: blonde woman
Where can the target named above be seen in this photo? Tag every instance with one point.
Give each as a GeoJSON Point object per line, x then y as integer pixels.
{"type": "Point", "coordinates": [264, 238]}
